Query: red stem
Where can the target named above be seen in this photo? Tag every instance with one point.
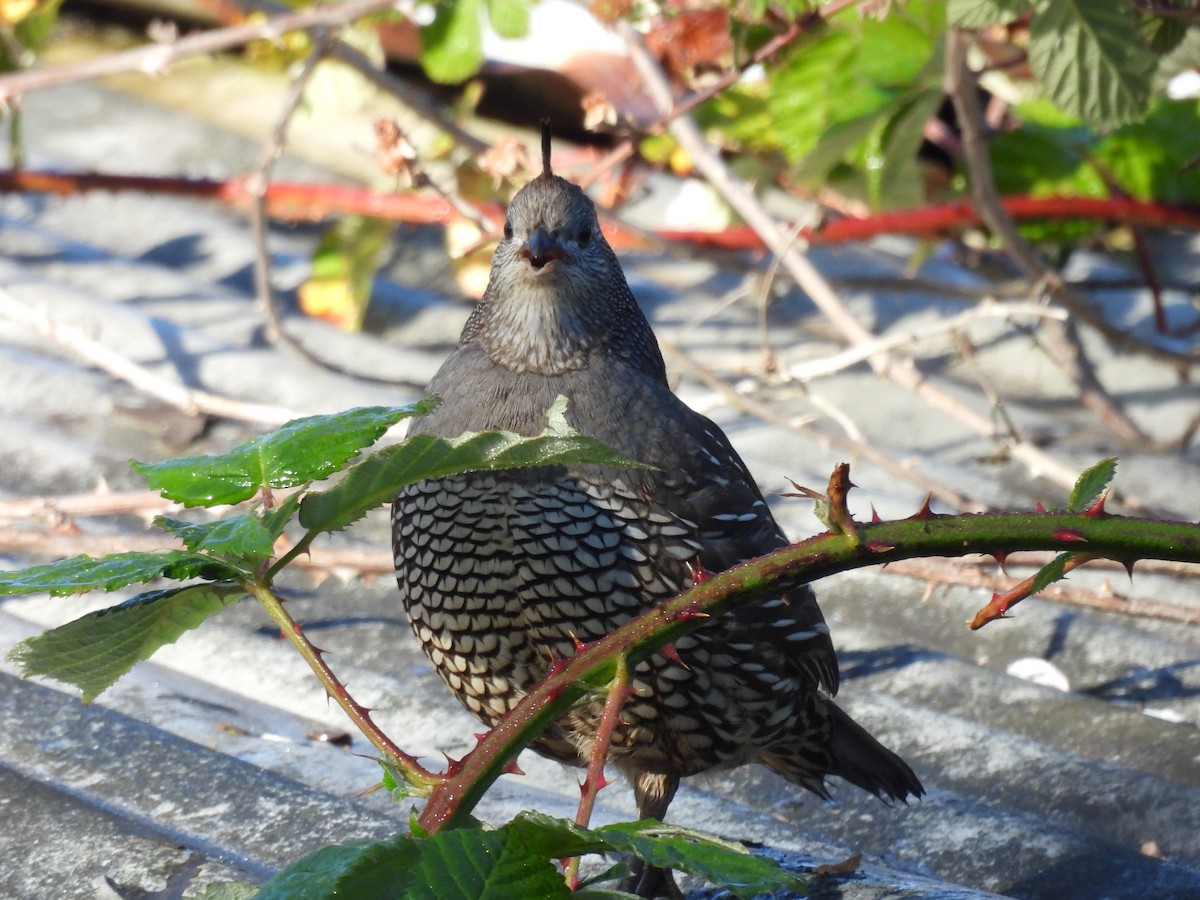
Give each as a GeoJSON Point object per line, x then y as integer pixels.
{"type": "Point", "coordinates": [306, 201]}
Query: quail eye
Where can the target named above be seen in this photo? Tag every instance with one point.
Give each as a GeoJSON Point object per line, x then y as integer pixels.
{"type": "Point", "coordinates": [585, 234]}
{"type": "Point", "coordinates": [508, 232]}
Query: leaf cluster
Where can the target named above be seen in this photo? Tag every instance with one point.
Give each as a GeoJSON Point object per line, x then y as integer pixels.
{"type": "Point", "coordinates": [849, 104]}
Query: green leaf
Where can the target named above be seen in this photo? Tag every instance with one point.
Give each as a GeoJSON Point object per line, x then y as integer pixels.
{"type": "Point", "coordinates": [982, 13]}
{"type": "Point", "coordinates": [452, 44]}
{"type": "Point", "coordinates": [894, 175]}
{"type": "Point", "coordinates": [1047, 155]}
{"type": "Point", "coordinates": [1147, 158]}
{"type": "Point", "coordinates": [81, 574]}
{"type": "Point", "coordinates": [1161, 34]}
{"type": "Point", "coordinates": [509, 18]}
{"type": "Point", "coordinates": [303, 450]}
{"type": "Point", "coordinates": [377, 479]}
{"type": "Point", "coordinates": [317, 874]}
{"type": "Point", "coordinates": [247, 537]}
{"type": "Point", "coordinates": [514, 861]}
{"type": "Point", "coordinates": [1088, 57]}
{"type": "Point", "coordinates": [852, 96]}
{"type": "Point", "coordinates": [892, 51]}
{"type": "Point", "coordinates": [1049, 573]}
{"type": "Point", "coordinates": [95, 650]}
{"type": "Point", "coordinates": [459, 864]}
{"type": "Point", "coordinates": [240, 536]}
{"type": "Point", "coordinates": [1092, 485]}
{"type": "Point", "coordinates": [818, 90]}
{"type": "Point", "coordinates": [726, 863]}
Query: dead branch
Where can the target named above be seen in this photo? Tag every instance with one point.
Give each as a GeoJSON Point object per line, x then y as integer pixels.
{"type": "Point", "coordinates": [156, 58]}
{"type": "Point", "coordinates": [988, 309]}
{"type": "Point", "coordinates": [190, 400]}
{"type": "Point", "coordinates": [1068, 352]}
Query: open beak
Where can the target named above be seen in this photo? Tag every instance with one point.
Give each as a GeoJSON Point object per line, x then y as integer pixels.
{"type": "Point", "coordinates": [542, 250]}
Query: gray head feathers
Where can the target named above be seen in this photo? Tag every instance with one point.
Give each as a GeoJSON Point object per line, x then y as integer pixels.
{"type": "Point", "coordinates": [557, 300]}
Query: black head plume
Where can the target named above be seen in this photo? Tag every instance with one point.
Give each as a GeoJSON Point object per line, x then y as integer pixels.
{"type": "Point", "coordinates": [546, 147]}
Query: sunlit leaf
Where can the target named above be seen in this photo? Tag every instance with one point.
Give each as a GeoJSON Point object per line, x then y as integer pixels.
{"type": "Point", "coordinates": [452, 44]}
{"type": "Point", "coordinates": [81, 574]}
{"type": "Point", "coordinates": [1049, 573]}
{"type": "Point", "coordinates": [1087, 56]}
{"type": "Point", "coordinates": [458, 864]}
{"type": "Point", "coordinates": [301, 451]}
{"type": "Point", "coordinates": [982, 13]}
{"type": "Point", "coordinates": [377, 479]}
{"type": "Point", "coordinates": [1092, 485]}
{"type": "Point", "coordinates": [95, 650]}
{"type": "Point", "coordinates": [509, 18]}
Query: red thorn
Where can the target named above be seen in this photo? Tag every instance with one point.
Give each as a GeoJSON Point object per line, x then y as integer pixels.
{"type": "Point", "coordinates": [879, 547]}
{"type": "Point", "coordinates": [580, 646]}
{"type": "Point", "coordinates": [691, 611]}
{"type": "Point", "coordinates": [1001, 556]}
{"type": "Point", "coordinates": [875, 514]}
{"type": "Point", "coordinates": [601, 783]}
{"type": "Point", "coordinates": [556, 666]}
{"type": "Point", "coordinates": [511, 768]}
{"type": "Point", "coordinates": [1129, 567]}
{"type": "Point", "coordinates": [1096, 510]}
{"type": "Point", "coordinates": [925, 512]}
{"type": "Point", "coordinates": [1039, 507]}
{"type": "Point", "coordinates": [479, 737]}
{"type": "Point", "coordinates": [669, 651]}
{"type": "Point", "coordinates": [452, 765]}
{"type": "Point", "coordinates": [697, 572]}
{"type": "Point", "coordinates": [1069, 534]}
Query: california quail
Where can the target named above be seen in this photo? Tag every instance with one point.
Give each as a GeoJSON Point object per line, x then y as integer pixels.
{"type": "Point", "coordinates": [501, 572]}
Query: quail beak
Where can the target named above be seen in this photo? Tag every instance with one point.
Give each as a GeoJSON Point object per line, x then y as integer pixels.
{"type": "Point", "coordinates": [542, 251]}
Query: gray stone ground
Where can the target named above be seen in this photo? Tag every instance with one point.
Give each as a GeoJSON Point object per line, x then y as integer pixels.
{"type": "Point", "coordinates": [198, 766]}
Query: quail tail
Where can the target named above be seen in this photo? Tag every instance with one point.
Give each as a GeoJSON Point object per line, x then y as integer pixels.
{"type": "Point", "coordinates": [853, 754]}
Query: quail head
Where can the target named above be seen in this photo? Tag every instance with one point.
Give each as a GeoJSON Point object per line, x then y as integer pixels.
{"type": "Point", "coordinates": [501, 572]}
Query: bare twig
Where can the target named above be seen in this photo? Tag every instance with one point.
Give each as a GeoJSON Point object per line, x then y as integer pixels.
{"type": "Point", "coordinates": [154, 59]}
{"type": "Point", "coordinates": [1068, 351]}
{"type": "Point", "coordinates": [190, 400]}
{"type": "Point", "coordinates": [987, 309]}
{"type": "Point", "coordinates": [421, 102]}
{"type": "Point", "coordinates": [272, 150]}
{"type": "Point", "coordinates": [846, 445]}
{"type": "Point", "coordinates": [63, 507]}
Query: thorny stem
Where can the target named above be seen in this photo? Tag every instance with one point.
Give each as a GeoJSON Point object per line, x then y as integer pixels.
{"type": "Point", "coordinates": [925, 534]}
{"type": "Point", "coordinates": [1001, 603]}
{"type": "Point", "coordinates": [594, 781]}
{"type": "Point", "coordinates": [414, 773]}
